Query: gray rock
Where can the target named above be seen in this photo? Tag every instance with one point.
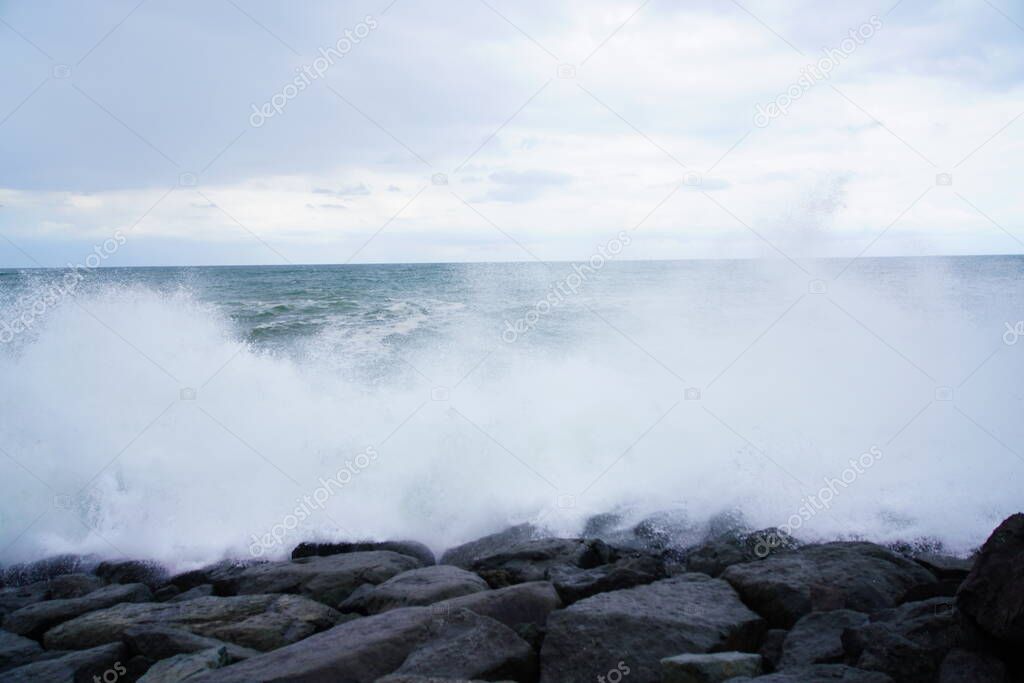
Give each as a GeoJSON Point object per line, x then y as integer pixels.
{"type": "Point", "coordinates": [818, 638]}
{"type": "Point", "coordinates": [16, 650]}
{"type": "Point", "coordinates": [160, 642]}
{"type": "Point", "coordinates": [718, 554]}
{"type": "Point", "coordinates": [525, 604]}
{"type": "Point", "coordinates": [16, 597]}
{"type": "Point", "coordinates": [73, 585]}
{"type": "Point", "coordinates": [463, 555]}
{"type": "Point", "coordinates": [34, 620]}
{"type": "Point", "coordinates": [531, 560]}
{"type": "Point", "coordinates": [820, 673]}
{"type": "Point", "coordinates": [637, 569]}
{"type": "Point", "coordinates": [992, 596]}
{"type": "Point", "coordinates": [200, 591]}
{"type": "Point", "coordinates": [260, 622]}
{"type": "Point", "coordinates": [961, 666]}
{"type": "Point", "coordinates": [410, 548]}
{"type": "Point", "coordinates": [72, 667]}
{"type": "Point", "coordinates": [43, 570]}
{"type": "Point", "coordinates": [691, 613]}
{"type": "Point", "coordinates": [858, 576]}
{"type": "Point", "coordinates": [406, 678]}
{"type": "Point", "coordinates": [219, 572]}
{"type": "Point", "coordinates": [709, 668]}
{"type": "Point", "coordinates": [363, 651]}
{"type": "Point", "coordinates": [668, 529]}
{"type": "Point", "coordinates": [771, 648]}
{"type": "Point", "coordinates": [415, 588]}
{"type": "Point", "coordinates": [151, 574]}
{"type": "Point", "coordinates": [907, 642]}
{"type": "Point", "coordinates": [945, 566]}
{"type": "Point", "coordinates": [186, 667]}
{"type": "Point", "coordinates": [328, 580]}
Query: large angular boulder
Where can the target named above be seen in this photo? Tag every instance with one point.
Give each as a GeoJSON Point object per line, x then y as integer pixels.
{"type": "Point", "coordinates": [818, 638]}
{"type": "Point", "coordinates": [992, 596]}
{"type": "Point", "coordinates": [16, 650]}
{"type": "Point", "coordinates": [463, 555]}
{"type": "Point", "coordinates": [522, 605]}
{"type": "Point", "coordinates": [463, 646]}
{"type": "Point", "coordinates": [186, 667]}
{"type": "Point", "coordinates": [220, 572]}
{"type": "Point", "coordinates": [151, 574]}
{"type": "Point", "coordinates": [45, 569]}
{"type": "Point", "coordinates": [102, 663]}
{"type": "Point", "coordinates": [843, 575]}
{"type": "Point", "coordinates": [410, 548]}
{"type": "Point", "coordinates": [34, 620]}
{"type": "Point", "coordinates": [635, 569]}
{"type": "Point", "coordinates": [160, 642]}
{"type": "Point", "coordinates": [328, 580]}
{"type": "Point", "coordinates": [908, 642]}
{"type": "Point", "coordinates": [691, 613]}
{"type": "Point", "coordinates": [16, 597]}
{"type": "Point", "coordinates": [414, 588]}
{"type": "Point", "coordinates": [260, 622]}
{"type": "Point", "coordinates": [532, 560]}
{"type": "Point", "coordinates": [73, 585]}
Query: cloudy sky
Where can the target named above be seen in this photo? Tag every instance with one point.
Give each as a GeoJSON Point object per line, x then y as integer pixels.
{"type": "Point", "coordinates": [216, 131]}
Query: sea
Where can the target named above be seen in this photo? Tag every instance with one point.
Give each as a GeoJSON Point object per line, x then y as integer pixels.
{"type": "Point", "coordinates": [192, 414]}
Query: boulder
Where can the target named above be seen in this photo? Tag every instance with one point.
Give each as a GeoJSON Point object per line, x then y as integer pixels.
{"type": "Point", "coordinates": [200, 591]}
{"type": "Point", "coordinates": [16, 650]}
{"type": "Point", "coordinates": [34, 620]}
{"type": "Point", "coordinates": [151, 574]}
{"type": "Point", "coordinates": [818, 638]}
{"type": "Point", "coordinates": [328, 580]}
{"type": "Point", "coordinates": [961, 666]}
{"type": "Point", "coordinates": [686, 614]}
{"type": "Point", "coordinates": [945, 566]}
{"type": "Point", "coordinates": [992, 596]}
{"type": "Point", "coordinates": [43, 570]}
{"type": "Point", "coordinates": [771, 648]}
{"type": "Point", "coordinates": [820, 673]}
{"type": "Point", "coordinates": [463, 555]}
{"type": "Point", "coordinates": [73, 585]}
{"type": "Point", "coordinates": [186, 667]}
{"type": "Point", "coordinates": [843, 575]}
{"type": "Point", "coordinates": [637, 569]}
{"type": "Point", "coordinates": [16, 597]}
{"type": "Point", "coordinates": [414, 588]}
{"type": "Point", "coordinates": [907, 643]}
{"type": "Point", "coordinates": [522, 605]}
{"type": "Point", "coordinates": [532, 560]}
{"type": "Point", "coordinates": [410, 548]}
{"type": "Point", "coordinates": [160, 642]}
{"type": "Point", "coordinates": [709, 668]}
{"type": "Point", "coordinates": [466, 645]}
{"type": "Point", "coordinates": [73, 667]}
{"type": "Point", "coordinates": [219, 572]}
{"type": "Point", "coordinates": [260, 622]}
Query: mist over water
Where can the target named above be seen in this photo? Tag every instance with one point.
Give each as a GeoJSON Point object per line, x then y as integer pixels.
{"type": "Point", "coordinates": [700, 387]}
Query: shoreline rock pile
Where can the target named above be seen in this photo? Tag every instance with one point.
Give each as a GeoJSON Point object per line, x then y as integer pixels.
{"type": "Point", "coordinates": [516, 606]}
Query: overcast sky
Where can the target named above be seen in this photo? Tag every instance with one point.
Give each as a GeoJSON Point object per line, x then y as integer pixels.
{"type": "Point", "coordinates": [507, 130]}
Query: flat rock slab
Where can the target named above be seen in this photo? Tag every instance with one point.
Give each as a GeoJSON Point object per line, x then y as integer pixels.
{"type": "Point", "coordinates": [329, 580]}
{"type": "Point", "coordinates": [410, 548]}
{"type": "Point", "coordinates": [818, 638]}
{"type": "Point", "coordinates": [993, 593]}
{"type": "Point", "coordinates": [260, 622]}
{"type": "Point", "coordinates": [845, 575]}
{"type": "Point", "coordinates": [690, 613]}
{"type": "Point", "coordinates": [34, 620]}
{"type": "Point", "coordinates": [709, 668]}
{"type": "Point", "coordinates": [819, 673]}
{"type": "Point", "coordinates": [73, 667]}
{"type": "Point", "coordinates": [465, 644]}
{"type": "Point", "coordinates": [415, 588]}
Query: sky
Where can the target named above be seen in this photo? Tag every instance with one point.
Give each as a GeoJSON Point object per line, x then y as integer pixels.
{"type": "Point", "coordinates": [205, 132]}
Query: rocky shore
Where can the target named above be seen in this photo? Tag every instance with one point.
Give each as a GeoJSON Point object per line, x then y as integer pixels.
{"type": "Point", "coordinates": [736, 605]}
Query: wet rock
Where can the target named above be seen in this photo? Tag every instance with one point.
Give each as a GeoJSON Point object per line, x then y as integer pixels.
{"type": "Point", "coordinates": [640, 626]}
{"type": "Point", "coordinates": [820, 673]}
{"type": "Point", "coordinates": [531, 560]}
{"type": "Point", "coordinates": [709, 668]}
{"type": "Point", "coordinates": [260, 622]}
{"type": "Point", "coordinates": [34, 620]}
{"type": "Point", "coordinates": [16, 597]}
{"type": "Point", "coordinates": [467, 645]}
{"type": "Point", "coordinates": [515, 606]}
{"type": "Point", "coordinates": [992, 596]}
{"type": "Point", "coordinates": [200, 591]}
{"type": "Point", "coordinates": [818, 638]}
{"type": "Point", "coordinates": [668, 529]}
{"type": "Point", "coordinates": [410, 548]}
{"type": "Point", "coordinates": [328, 580]}
{"type": "Point", "coordinates": [945, 566]}
{"type": "Point", "coordinates": [220, 572]}
{"type": "Point", "coordinates": [463, 555]}
{"type": "Point", "coordinates": [186, 667]}
{"type": "Point", "coordinates": [73, 667]}
{"type": "Point", "coordinates": [73, 586]}
{"type": "Point", "coordinates": [133, 571]}
{"type": "Point", "coordinates": [46, 569]}
{"type": "Point", "coordinates": [961, 666]}
{"type": "Point", "coordinates": [166, 592]}
{"type": "Point", "coordinates": [573, 583]}
{"type": "Point", "coordinates": [16, 650]}
{"type": "Point", "coordinates": [160, 642]}
{"type": "Point", "coordinates": [907, 643]}
{"type": "Point", "coordinates": [858, 576]}
{"type": "Point", "coordinates": [716, 555]}
{"type": "Point", "coordinates": [771, 648]}
{"type": "Point", "coordinates": [414, 588]}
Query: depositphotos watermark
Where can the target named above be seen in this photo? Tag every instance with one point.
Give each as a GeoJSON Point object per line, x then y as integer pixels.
{"type": "Point", "coordinates": [31, 307]}
{"type": "Point", "coordinates": [812, 74]}
{"type": "Point", "coordinates": [306, 505]}
{"type": "Point", "coordinates": [822, 500]}
{"type": "Point", "coordinates": [615, 674]}
{"type": "Point", "coordinates": [312, 71]}
{"type": "Point", "coordinates": [567, 286]}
